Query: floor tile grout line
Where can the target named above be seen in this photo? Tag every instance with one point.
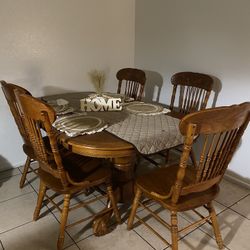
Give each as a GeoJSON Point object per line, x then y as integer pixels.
{"type": "Point", "coordinates": [185, 234]}
{"type": "Point", "coordinates": [8, 177]}
{"type": "Point", "coordinates": [16, 197]}
{"type": "Point", "coordinates": [20, 170]}
{"type": "Point", "coordinates": [143, 239]}
{"type": "Point", "coordinates": [51, 212]}
{"type": "Point", "coordinates": [132, 230]}
{"type": "Point", "coordinates": [199, 228]}
{"type": "Point", "coordinates": [74, 242]}
{"type": "Point", "coordinates": [8, 169]}
{"type": "Point", "coordinates": [213, 237]}
{"type": "Point", "coordinates": [228, 206]}
{"type": "Point", "coordinates": [34, 191]}
{"type": "Point", "coordinates": [239, 200]}
{"type": "Point", "coordinates": [84, 238]}
{"type": "Point", "coordinates": [180, 237]}
{"type": "Point", "coordinates": [239, 213]}
{"type": "Point", "coordinates": [66, 232]}
{"type": "Point", "coordinates": [26, 223]}
{"type": "Point", "coordinates": [170, 232]}
{"type": "Point", "coordinates": [72, 245]}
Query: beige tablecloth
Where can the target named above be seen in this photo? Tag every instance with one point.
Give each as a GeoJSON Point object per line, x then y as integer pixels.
{"type": "Point", "coordinates": [149, 134]}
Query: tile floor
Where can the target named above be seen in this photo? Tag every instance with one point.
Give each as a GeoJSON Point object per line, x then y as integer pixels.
{"type": "Point", "coordinates": [18, 231]}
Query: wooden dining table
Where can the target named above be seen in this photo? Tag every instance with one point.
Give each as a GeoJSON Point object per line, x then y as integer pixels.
{"type": "Point", "coordinates": [121, 154]}
{"type": "Point", "coordinates": [108, 145]}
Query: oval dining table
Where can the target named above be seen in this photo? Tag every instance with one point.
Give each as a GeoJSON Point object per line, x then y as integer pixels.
{"type": "Point", "coordinates": [120, 152]}
{"type": "Point", "coordinates": [103, 144]}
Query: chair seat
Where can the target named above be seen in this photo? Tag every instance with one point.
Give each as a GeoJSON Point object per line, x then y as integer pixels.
{"type": "Point", "coordinates": [29, 151]}
{"type": "Point", "coordinates": [159, 182]}
{"type": "Point", "coordinates": [82, 172]}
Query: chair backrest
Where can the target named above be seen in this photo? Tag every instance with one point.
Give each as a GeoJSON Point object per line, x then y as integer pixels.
{"type": "Point", "coordinates": [221, 129]}
{"type": "Point", "coordinates": [38, 117]}
{"type": "Point", "coordinates": [9, 92]}
{"type": "Point", "coordinates": [134, 82]}
{"type": "Point", "coordinates": [190, 92]}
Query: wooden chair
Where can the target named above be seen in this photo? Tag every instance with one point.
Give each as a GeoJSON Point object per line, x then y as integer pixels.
{"type": "Point", "coordinates": [183, 187]}
{"type": "Point", "coordinates": [9, 92]}
{"type": "Point", "coordinates": [190, 93]}
{"type": "Point", "coordinates": [59, 170]}
{"type": "Point", "coordinates": [134, 82]}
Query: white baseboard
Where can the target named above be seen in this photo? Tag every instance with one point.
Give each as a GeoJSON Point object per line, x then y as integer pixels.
{"type": "Point", "coordinates": [237, 179]}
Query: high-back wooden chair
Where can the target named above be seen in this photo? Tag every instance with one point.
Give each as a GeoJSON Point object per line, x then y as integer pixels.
{"type": "Point", "coordinates": [131, 82]}
{"type": "Point", "coordinates": [63, 172]}
{"type": "Point", "coordinates": [182, 187]}
{"type": "Point", "coordinates": [190, 93]}
{"type": "Point", "coordinates": [9, 92]}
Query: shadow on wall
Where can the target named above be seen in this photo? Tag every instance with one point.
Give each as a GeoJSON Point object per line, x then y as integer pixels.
{"type": "Point", "coordinates": [52, 90]}
{"type": "Point", "coordinates": [154, 82]}
{"type": "Point", "coordinates": [230, 175]}
{"type": "Point", "coordinates": [4, 165]}
{"type": "Point", "coordinates": [217, 86]}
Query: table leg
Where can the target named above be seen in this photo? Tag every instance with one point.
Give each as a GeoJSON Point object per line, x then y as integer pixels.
{"type": "Point", "coordinates": [123, 182]}
{"type": "Point", "coordinates": [123, 178]}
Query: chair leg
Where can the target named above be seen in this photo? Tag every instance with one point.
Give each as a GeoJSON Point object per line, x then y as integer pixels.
{"type": "Point", "coordinates": [25, 171]}
{"type": "Point", "coordinates": [114, 204]}
{"type": "Point", "coordinates": [64, 217]}
{"type": "Point", "coordinates": [174, 230]}
{"type": "Point", "coordinates": [134, 208]}
{"type": "Point", "coordinates": [215, 226]}
{"type": "Point", "coordinates": [42, 191]}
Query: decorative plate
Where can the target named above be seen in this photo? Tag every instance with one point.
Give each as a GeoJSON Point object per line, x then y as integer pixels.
{"type": "Point", "coordinates": [64, 110]}
{"type": "Point", "coordinates": [144, 108]}
{"type": "Point", "coordinates": [61, 106]}
{"type": "Point", "coordinates": [80, 124]}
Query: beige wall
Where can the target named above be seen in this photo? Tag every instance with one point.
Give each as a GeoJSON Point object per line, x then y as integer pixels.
{"type": "Point", "coordinates": [49, 46]}
{"type": "Point", "coordinates": [203, 36]}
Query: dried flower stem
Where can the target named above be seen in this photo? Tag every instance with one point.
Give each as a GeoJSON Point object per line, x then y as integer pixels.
{"type": "Point", "coordinates": [97, 78]}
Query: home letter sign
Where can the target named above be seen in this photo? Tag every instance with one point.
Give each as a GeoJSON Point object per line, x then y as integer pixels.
{"type": "Point", "coordinates": [100, 103]}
